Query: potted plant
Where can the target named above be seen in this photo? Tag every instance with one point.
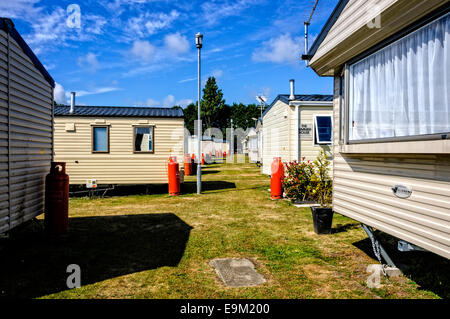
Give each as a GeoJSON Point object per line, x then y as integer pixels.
{"type": "Point", "coordinates": [322, 190]}
{"type": "Point", "coordinates": [296, 183]}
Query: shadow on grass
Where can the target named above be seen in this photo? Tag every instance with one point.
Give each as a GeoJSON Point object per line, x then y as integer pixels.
{"type": "Point", "coordinates": [209, 172]}
{"type": "Point", "coordinates": [159, 189]}
{"type": "Point", "coordinates": [191, 187]}
{"type": "Point", "coordinates": [104, 247]}
{"type": "Point", "coordinates": [428, 270]}
{"type": "Point", "coordinates": [339, 228]}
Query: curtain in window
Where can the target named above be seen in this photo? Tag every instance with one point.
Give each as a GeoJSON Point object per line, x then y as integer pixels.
{"type": "Point", "coordinates": [143, 139]}
{"type": "Point", "coordinates": [403, 89]}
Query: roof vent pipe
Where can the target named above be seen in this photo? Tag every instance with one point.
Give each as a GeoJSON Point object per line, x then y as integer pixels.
{"type": "Point", "coordinates": [72, 102]}
{"type": "Point", "coordinates": [292, 96]}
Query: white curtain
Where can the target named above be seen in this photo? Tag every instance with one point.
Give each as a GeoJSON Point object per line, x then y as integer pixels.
{"type": "Point", "coordinates": [403, 89]}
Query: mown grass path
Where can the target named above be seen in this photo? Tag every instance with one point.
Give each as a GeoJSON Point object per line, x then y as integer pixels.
{"type": "Point", "coordinates": [156, 246]}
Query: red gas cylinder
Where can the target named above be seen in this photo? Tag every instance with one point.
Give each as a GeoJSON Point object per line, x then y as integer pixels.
{"type": "Point", "coordinates": [174, 176]}
{"type": "Point", "coordinates": [276, 189]}
{"type": "Point", "coordinates": [57, 200]}
{"type": "Point", "coordinates": [187, 165]}
{"type": "Point", "coordinates": [225, 154]}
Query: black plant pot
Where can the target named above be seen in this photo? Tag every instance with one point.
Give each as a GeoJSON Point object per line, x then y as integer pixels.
{"type": "Point", "coordinates": [322, 219]}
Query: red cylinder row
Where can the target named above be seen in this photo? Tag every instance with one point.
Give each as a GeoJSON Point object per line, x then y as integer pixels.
{"type": "Point", "coordinates": [56, 217]}
{"type": "Point", "coordinates": [194, 165]}
{"type": "Point", "coordinates": [187, 165]}
{"type": "Point", "coordinates": [174, 177]}
{"type": "Point", "coordinates": [276, 187]}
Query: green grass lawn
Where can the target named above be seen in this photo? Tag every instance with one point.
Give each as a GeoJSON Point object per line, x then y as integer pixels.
{"type": "Point", "coordinates": [156, 246]}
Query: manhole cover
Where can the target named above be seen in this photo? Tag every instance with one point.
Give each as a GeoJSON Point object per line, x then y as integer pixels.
{"type": "Point", "coordinates": [237, 272]}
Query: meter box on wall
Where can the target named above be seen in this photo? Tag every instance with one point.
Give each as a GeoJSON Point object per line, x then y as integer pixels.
{"type": "Point", "coordinates": [91, 183]}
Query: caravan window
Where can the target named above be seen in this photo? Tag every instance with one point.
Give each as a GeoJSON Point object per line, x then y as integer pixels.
{"type": "Point", "coordinates": [100, 139]}
{"type": "Point", "coordinates": [403, 90]}
{"type": "Point", "coordinates": [143, 139]}
{"type": "Point", "coordinates": [323, 130]}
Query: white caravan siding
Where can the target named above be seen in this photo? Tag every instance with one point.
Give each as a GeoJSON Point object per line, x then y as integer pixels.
{"type": "Point", "coordinates": [308, 150]}
{"type": "Point", "coordinates": [121, 165]}
{"type": "Point", "coordinates": [276, 135]}
{"type": "Point", "coordinates": [26, 160]}
{"type": "Point", "coordinates": [363, 191]}
{"type": "Point", "coordinates": [280, 132]}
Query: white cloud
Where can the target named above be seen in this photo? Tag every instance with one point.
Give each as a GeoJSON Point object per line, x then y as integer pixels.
{"type": "Point", "coordinates": [184, 102]}
{"type": "Point", "coordinates": [59, 94]}
{"type": "Point", "coordinates": [169, 101]}
{"type": "Point", "coordinates": [89, 61]}
{"type": "Point", "coordinates": [147, 24]}
{"type": "Point", "coordinates": [214, 11]}
{"type": "Point", "coordinates": [283, 49]}
{"type": "Point", "coordinates": [143, 50]}
{"type": "Point", "coordinates": [176, 43]}
{"type": "Point", "coordinates": [18, 8]}
{"type": "Point", "coordinates": [94, 24]}
{"type": "Point", "coordinates": [50, 30]}
{"type": "Point", "coordinates": [217, 73]}
{"type": "Point", "coordinates": [187, 80]}
{"type": "Point", "coordinates": [151, 102]}
{"type": "Point", "coordinates": [98, 91]}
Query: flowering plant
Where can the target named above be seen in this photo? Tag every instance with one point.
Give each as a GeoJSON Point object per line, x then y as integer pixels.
{"type": "Point", "coordinates": [297, 181]}
{"type": "Point", "coordinates": [309, 181]}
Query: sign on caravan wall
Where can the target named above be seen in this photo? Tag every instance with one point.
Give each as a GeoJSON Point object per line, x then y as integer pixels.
{"type": "Point", "coordinates": [306, 132]}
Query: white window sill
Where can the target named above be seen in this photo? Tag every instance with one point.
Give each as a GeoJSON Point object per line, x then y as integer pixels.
{"type": "Point", "coordinates": [415, 147]}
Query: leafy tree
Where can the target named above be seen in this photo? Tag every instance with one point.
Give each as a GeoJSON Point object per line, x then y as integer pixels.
{"type": "Point", "coordinates": [212, 103]}
{"type": "Point", "coordinates": [243, 115]}
{"type": "Point", "coordinates": [190, 115]}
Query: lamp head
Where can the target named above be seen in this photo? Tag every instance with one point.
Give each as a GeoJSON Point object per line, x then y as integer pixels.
{"type": "Point", "coordinates": [199, 40]}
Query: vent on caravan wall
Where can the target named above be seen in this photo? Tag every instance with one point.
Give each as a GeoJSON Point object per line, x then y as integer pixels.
{"type": "Point", "coordinates": [292, 84]}
{"type": "Point", "coordinates": [72, 102]}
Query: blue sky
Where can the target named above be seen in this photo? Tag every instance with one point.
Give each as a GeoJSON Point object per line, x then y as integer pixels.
{"type": "Point", "coordinates": [142, 52]}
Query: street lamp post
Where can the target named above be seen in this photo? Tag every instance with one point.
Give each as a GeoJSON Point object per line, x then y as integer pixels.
{"type": "Point", "coordinates": [199, 44]}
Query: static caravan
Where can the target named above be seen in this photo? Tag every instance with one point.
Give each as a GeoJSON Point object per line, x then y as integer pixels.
{"type": "Point", "coordinates": [207, 145]}
{"type": "Point", "coordinates": [118, 145]}
{"type": "Point", "coordinates": [250, 145]}
{"type": "Point", "coordinates": [26, 126]}
{"type": "Point", "coordinates": [391, 66]}
{"type": "Point", "coordinates": [297, 127]}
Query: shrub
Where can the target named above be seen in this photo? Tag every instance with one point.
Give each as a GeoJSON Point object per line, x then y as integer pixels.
{"type": "Point", "coordinates": [297, 181]}
{"type": "Point", "coordinates": [309, 181]}
{"type": "Point", "coordinates": [322, 186]}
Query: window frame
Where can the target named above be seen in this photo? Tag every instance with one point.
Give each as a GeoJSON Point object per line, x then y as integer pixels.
{"type": "Point", "coordinates": [316, 133]}
{"type": "Point", "coordinates": [440, 13]}
{"type": "Point", "coordinates": [93, 127]}
{"type": "Point", "coordinates": [134, 138]}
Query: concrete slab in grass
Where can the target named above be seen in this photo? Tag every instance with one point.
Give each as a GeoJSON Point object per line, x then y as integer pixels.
{"type": "Point", "coordinates": [237, 272]}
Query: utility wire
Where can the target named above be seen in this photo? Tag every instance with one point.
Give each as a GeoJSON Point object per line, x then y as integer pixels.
{"type": "Point", "coordinates": [312, 13]}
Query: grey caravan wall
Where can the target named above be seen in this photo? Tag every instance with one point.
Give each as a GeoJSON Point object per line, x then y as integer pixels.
{"type": "Point", "coordinates": [26, 129]}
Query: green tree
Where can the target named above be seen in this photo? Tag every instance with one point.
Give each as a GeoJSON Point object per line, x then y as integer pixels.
{"type": "Point", "coordinates": [212, 103]}
{"type": "Point", "coordinates": [190, 115]}
{"type": "Point", "coordinates": [243, 115]}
